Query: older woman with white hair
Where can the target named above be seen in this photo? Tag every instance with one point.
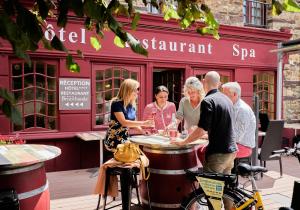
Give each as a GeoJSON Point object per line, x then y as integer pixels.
{"type": "Point", "coordinates": [189, 106]}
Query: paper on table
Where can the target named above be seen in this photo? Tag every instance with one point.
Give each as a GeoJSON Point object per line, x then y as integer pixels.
{"type": "Point", "coordinates": [161, 140]}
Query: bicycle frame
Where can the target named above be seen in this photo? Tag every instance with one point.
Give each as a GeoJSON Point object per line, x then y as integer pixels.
{"type": "Point", "coordinates": [256, 198]}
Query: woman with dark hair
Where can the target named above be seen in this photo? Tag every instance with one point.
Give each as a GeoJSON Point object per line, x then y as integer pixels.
{"type": "Point", "coordinates": [161, 109]}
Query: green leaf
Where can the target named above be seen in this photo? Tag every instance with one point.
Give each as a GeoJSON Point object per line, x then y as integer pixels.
{"type": "Point", "coordinates": [71, 65]}
{"type": "Point", "coordinates": [118, 42]}
{"type": "Point", "coordinates": [277, 8]}
{"type": "Point", "coordinates": [63, 9]}
{"type": "Point", "coordinates": [16, 116]}
{"type": "Point", "coordinates": [46, 44]}
{"type": "Point", "coordinates": [88, 23]}
{"type": "Point", "coordinates": [57, 44]}
{"type": "Point", "coordinates": [79, 53]}
{"type": "Point", "coordinates": [130, 6]}
{"type": "Point", "coordinates": [136, 46]}
{"type": "Point", "coordinates": [77, 7]}
{"type": "Point", "coordinates": [43, 8]}
{"type": "Point", "coordinates": [291, 6]}
{"type": "Point", "coordinates": [135, 20]}
{"type": "Point", "coordinates": [6, 95]}
{"type": "Point", "coordinates": [95, 43]}
{"type": "Point", "coordinates": [8, 7]}
{"type": "Point", "coordinates": [113, 24]}
{"type": "Point", "coordinates": [94, 9]}
{"type": "Point", "coordinates": [6, 108]}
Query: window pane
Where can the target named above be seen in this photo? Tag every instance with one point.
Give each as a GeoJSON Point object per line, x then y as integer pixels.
{"type": "Point", "coordinates": [39, 68]}
{"type": "Point", "coordinates": [125, 74]}
{"type": "Point", "coordinates": [29, 121]}
{"type": "Point", "coordinates": [117, 83]}
{"type": "Point", "coordinates": [99, 97]}
{"type": "Point", "coordinates": [18, 96]}
{"type": "Point", "coordinates": [28, 81]}
{"type": "Point", "coordinates": [99, 109]}
{"type": "Point", "coordinates": [28, 69]}
{"type": "Point", "coordinates": [17, 83]}
{"type": "Point", "coordinates": [51, 97]}
{"type": "Point", "coordinates": [51, 70]}
{"type": "Point", "coordinates": [117, 72]}
{"type": "Point", "coordinates": [51, 83]}
{"type": "Point", "coordinates": [108, 84]}
{"type": "Point", "coordinates": [51, 110]}
{"type": "Point", "coordinates": [99, 86]}
{"type": "Point", "coordinates": [34, 95]}
{"type": "Point", "coordinates": [40, 94]}
{"type": "Point", "coordinates": [29, 94]}
{"type": "Point", "coordinates": [40, 80]}
{"type": "Point", "coordinates": [51, 123]}
{"type": "Point", "coordinates": [99, 75]}
{"type": "Point", "coordinates": [99, 120]}
{"type": "Point", "coordinates": [17, 69]}
{"type": "Point", "coordinates": [40, 121]}
{"type": "Point", "coordinates": [108, 73]}
{"type": "Point", "coordinates": [108, 95]}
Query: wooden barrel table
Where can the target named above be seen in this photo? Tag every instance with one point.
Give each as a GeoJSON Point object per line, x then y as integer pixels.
{"type": "Point", "coordinates": [22, 169]}
{"type": "Point", "coordinates": [167, 184]}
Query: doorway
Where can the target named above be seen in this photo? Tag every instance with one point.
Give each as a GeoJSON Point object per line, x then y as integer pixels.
{"type": "Point", "coordinates": [172, 79]}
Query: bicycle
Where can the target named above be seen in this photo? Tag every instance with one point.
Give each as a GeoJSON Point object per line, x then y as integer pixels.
{"type": "Point", "coordinates": [241, 198]}
{"type": "Point", "coordinates": [295, 151]}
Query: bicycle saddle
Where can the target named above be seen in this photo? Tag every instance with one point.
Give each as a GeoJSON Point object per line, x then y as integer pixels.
{"type": "Point", "coordinates": [246, 170]}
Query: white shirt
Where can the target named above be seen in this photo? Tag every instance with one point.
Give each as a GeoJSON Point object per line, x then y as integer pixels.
{"type": "Point", "coordinates": [244, 124]}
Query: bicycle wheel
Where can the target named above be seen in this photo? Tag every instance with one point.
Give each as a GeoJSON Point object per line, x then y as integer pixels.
{"type": "Point", "coordinates": [197, 200]}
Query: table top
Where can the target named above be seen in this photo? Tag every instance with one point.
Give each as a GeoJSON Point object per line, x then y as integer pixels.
{"type": "Point", "coordinates": [292, 125]}
{"type": "Point", "coordinates": [162, 142]}
{"type": "Point", "coordinates": [91, 136]}
{"type": "Point", "coordinates": [17, 155]}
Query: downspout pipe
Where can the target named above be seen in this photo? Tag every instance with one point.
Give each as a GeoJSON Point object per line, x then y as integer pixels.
{"type": "Point", "coordinates": [279, 83]}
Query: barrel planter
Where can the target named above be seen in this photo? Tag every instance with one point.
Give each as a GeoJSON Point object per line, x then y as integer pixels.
{"type": "Point", "coordinates": [168, 184]}
{"type": "Point", "coordinates": [31, 185]}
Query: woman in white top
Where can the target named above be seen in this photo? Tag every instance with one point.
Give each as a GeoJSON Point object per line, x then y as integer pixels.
{"type": "Point", "coordinates": [189, 105]}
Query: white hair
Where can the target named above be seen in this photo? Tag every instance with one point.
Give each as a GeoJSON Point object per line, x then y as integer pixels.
{"type": "Point", "coordinates": [233, 87]}
{"type": "Point", "coordinates": [193, 83]}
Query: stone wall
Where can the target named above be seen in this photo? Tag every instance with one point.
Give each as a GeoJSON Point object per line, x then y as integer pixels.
{"type": "Point", "coordinates": [291, 73]}
{"type": "Point", "coordinates": [230, 12]}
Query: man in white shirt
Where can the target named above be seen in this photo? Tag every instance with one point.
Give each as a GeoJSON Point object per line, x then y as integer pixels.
{"type": "Point", "coordinates": [244, 120]}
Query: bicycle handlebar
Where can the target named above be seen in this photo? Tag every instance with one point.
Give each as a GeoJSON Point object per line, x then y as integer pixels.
{"type": "Point", "coordinates": [295, 151]}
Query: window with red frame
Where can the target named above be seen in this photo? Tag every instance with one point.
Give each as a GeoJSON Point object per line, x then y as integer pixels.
{"type": "Point", "coordinates": [263, 86]}
{"type": "Point", "coordinates": [35, 89]}
{"type": "Point", "coordinates": [107, 85]}
{"type": "Point", "coordinates": [255, 13]}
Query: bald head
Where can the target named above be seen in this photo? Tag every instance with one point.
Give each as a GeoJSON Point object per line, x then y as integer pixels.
{"type": "Point", "coordinates": [212, 80]}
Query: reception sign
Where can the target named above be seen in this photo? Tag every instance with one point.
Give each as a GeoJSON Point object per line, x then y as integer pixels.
{"type": "Point", "coordinates": [74, 94]}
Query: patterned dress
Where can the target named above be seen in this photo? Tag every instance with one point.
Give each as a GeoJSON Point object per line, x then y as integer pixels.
{"type": "Point", "coordinates": [116, 133]}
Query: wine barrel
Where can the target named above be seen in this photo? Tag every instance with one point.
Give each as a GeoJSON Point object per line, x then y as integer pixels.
{"type": "Point", "coordinates": [168, 184]}
{"type": "Point", "coordinates": [31, 185]}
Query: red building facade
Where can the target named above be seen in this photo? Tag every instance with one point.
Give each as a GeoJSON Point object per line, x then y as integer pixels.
{"type": "Point", "coordinates": [56, 103]}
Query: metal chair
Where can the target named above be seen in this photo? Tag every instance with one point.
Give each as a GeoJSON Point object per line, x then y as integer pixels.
{"type": "Point", "coordinates": [271, 142]}
{"type": "Point", "coordinates": [128, 180]}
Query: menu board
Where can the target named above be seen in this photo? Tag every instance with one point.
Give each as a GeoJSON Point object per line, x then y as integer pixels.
{"type": "Point", "coordinates": [74, 94]}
